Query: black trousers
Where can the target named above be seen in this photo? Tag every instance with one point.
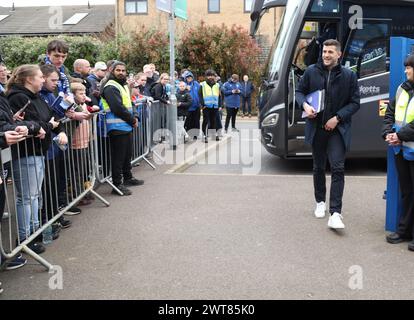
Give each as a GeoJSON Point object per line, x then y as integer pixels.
{"type": "Point", "coordinates": [231, 114]}
{"type": "Point", "coordinates": [246, 104]}
{"type": "Point", "coordinates": [405, 171]}
{"type": "Point", "coordinates": [209, 119]}
{"type": "Point", "coordinates": [193, 120]}
{"type": "Point", "coordinates": [121, 152]}
{"type": "Point", "coordinates": [329, 145]}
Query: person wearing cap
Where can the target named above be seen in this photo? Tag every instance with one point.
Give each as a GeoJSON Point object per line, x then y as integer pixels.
{"type": "Point", "coordinates": [192, 122]}
{"type": "Point", "coordinates": [116, 100]}
{"type": "Point", "coordinates": [95, 78]}
{"type": "Point", "coordinates": [232, 92]}
{"type": "Point", "coordinates": [209, 94]}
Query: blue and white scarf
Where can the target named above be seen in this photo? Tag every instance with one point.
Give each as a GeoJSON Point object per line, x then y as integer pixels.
{"type": "Point", "coordinates": [63, 84]}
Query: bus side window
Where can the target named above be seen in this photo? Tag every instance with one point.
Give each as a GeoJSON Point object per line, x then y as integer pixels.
{"type": "Point", "coordinates": [368, 49]}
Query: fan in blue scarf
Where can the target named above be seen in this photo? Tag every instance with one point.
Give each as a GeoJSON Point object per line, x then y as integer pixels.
{"type": "Point", "coordinates": [63, 84]}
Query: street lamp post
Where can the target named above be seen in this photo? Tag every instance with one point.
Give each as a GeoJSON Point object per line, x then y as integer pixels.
{"type": "Point", "coordinates": [172, 108]}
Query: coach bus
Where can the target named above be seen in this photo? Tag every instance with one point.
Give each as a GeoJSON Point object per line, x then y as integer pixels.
{"type": "Point", "coordinates": [364, 29]}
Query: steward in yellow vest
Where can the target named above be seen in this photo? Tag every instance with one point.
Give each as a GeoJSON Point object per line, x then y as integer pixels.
{"type": "Point", "coordinates": [209, 94]}
{"type": "Point", "coordinates": [120, 122]}
{"type": "Point", "coordinates": [398, 131]}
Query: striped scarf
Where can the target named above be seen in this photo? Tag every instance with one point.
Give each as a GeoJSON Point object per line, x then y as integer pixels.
{"type": "Point", "coordinates": [63, 84]}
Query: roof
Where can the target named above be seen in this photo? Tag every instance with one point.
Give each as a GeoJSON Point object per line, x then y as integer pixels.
{"type": "Point", "coordinates": [31, 21]}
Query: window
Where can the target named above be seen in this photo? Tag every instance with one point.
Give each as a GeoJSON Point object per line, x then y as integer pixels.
{"type": "Point", "coordinates": [75, 19]}
{"type": "Point", "coordinates": [3, 16]}
{"type": "Point", "coordinates": [248, 6]}
{"type": "Point", "coordinates": [325, 6]}
{"type": "Point", "coordinates": [213, 6]}
{"type": "Point", "coordinates": [367, 51]}
{"type": "Point", "coordinates": [136, 7]}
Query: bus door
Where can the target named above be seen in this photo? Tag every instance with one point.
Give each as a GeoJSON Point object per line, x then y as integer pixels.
{"type": "Point", "coordinates": [367, 53]}
{"type": "Point", "coordinates": [307, 52]}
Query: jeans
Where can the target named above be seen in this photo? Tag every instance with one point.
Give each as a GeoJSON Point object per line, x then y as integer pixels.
{"type": "Point", "coordinates": [246, 104]}
{"type": "Point", "coordinates": [329, 145]}
{"type": "Point", "coordinates": [28, 177]}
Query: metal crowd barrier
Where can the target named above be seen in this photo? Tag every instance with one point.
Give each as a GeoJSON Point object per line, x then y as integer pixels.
{"type": "Point", "coordinates": [41, 186]}
{"type": "Point", "coordinates": [39, 189]}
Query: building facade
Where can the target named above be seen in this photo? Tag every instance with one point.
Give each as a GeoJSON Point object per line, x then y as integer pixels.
{"type": "Point", "coordinates": [132, 14]}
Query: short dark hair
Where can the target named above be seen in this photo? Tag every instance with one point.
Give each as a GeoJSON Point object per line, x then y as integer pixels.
{"type": "Point", "coordinates": [409, 61]}
{"type": "Point", "coordinates": [210, 72]}
{"type": "Point", "coordinates": [58, 45]}
{"type": "Point", "coordinates": [333, 42]}
{"type": "Point", "coordinates": [48, 69]}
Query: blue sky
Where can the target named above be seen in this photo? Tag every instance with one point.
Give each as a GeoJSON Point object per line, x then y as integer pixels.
{"type": "Point", "coordinates": [25, 3]}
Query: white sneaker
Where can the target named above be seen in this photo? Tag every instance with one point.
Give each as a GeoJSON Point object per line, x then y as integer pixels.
{"type": "Point", "coordinates": [335, 221]}
{"type": "Point", "coordinates": [320, 210]}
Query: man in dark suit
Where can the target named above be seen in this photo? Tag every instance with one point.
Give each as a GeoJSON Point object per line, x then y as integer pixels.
{"type": "Point", "coordinates": [329, 131]}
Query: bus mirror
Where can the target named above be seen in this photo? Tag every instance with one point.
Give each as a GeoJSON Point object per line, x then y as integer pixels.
{"type": "Point", "coordinates": [255, 16]}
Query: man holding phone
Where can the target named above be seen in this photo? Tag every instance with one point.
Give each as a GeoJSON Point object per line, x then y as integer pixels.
{"type": "Point", "coordinates": [232, 94]}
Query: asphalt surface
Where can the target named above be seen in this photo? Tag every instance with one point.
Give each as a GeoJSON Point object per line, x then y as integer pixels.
{"type": "Point", "coordinates": [220, 232]}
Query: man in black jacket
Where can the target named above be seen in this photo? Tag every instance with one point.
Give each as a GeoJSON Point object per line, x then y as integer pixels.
{"type": "Point", "coordinates": [329, 131]}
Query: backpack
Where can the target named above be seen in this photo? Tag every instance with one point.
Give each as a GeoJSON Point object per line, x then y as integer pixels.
{"type": "Point", "coordinates": [312, 52]}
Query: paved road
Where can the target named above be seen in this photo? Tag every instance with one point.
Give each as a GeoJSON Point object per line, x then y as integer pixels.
{"type": "Point", "coordinates": [211, 232]}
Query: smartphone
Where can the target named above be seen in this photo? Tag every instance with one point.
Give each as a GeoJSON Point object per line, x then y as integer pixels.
{"type": "Point", "coordinates": [21, 110]}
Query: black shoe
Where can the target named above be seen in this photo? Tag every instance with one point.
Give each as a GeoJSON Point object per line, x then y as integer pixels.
{"type": "Point", "coordinates": [217, 138]}
{"type": "Point", "coordinates": [133, 182]}
{"type": "Point", "coordinates": [395, 238]}
{"type": "Point", "coordinates": [73, 211]}
{"type": "Point", "coordinates": [123, 189]}
{"type": "Point", "coordinates": [36, 247]}
{"type": "Point", "coordinates": [55, 235]}
{"type": "Point", "coordinates": [15, 263]}
{"type": "Point", "coordinates": [64, 224]}
{"type": "Point", "coordinates": [56, 228]}
{"type": "Point", "coordinates": [205, 140]}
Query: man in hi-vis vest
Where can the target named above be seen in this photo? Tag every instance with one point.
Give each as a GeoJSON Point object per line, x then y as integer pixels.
{"type": "Point", "coordinates": [210, 100]}
{"type": "Point", "coordinates": [121, 120]}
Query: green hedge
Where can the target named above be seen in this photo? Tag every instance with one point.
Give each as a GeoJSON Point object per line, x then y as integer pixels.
{"type": "Point", "coordinates": [21, 50]}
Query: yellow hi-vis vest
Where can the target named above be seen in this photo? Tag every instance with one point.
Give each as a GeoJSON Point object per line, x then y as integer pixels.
{"type": "Point", "coordinates": [113, 122]}
{"type": "Point", "coordinates": [404, 113]}
{"type": "Point", "coordinates": [211, 95]}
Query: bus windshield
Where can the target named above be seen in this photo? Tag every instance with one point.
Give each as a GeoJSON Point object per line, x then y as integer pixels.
{"type": "Point", "coordinates": [276, 55]}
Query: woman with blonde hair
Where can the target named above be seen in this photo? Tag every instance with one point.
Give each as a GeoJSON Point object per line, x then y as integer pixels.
{"type": "Point", "coordinates": [28, 157]}
{"type": "Point", "coordinates": [159, 89]}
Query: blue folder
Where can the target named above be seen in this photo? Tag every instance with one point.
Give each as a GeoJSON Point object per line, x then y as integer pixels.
{"type": "Point", "coordinates": [316, 99]}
